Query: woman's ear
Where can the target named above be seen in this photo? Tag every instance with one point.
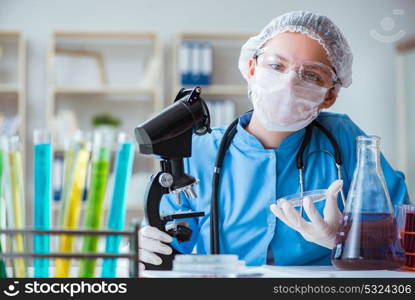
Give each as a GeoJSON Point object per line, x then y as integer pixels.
{"type": "Point", "coordinates": [330, 98]}
{"type": "Point", "coordinates": [251, 68]}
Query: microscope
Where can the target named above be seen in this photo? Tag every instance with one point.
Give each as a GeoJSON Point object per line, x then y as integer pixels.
{"type": "Point", "coordinates": [168, 135]}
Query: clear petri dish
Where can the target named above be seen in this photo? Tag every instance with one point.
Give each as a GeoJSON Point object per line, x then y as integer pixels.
{"type": "Point", "coordinates": [223, 265]}
{"type": "Point", "coordinates": [297, 199]}
{"type": "Point", "coordinates": [206, 258]}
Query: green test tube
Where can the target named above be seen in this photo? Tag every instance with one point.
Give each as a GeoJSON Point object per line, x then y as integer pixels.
{"type": "Point", "coordinates": [3, 272]}
{"type": "Point", "coordinates": [94, 210]}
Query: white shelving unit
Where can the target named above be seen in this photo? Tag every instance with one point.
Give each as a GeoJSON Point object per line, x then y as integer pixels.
{"type": "Point", "coordinates": [129, 83]}
{"type": "Point", "coordinates": [13, 78]}
{"type": "Point", "coordinates": [124, 79]}
{"type": "Point", "coordinates": [227, 82]}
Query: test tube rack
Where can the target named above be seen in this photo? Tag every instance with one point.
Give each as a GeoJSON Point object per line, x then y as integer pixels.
{"type": "Point", "coordinates": [131, 234]}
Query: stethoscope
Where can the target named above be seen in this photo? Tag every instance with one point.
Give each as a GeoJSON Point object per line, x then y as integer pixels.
{"type": "Point", "coordinates": [223, 147]}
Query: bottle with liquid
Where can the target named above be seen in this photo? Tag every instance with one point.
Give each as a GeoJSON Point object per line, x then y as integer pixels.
{"type": "Point", "coordinates": [367, 238]}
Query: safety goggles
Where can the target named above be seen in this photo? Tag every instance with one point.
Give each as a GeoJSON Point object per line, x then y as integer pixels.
{"type": "Point", "coordinates": [311, 72]}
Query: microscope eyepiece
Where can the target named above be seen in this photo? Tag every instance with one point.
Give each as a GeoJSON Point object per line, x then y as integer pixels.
{"type": "Point", "coordinates": [169, 133]}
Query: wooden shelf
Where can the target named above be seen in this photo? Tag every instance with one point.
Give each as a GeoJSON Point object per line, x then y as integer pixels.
{"type": "Point", "coordinates": [19, 87]}
{"type": "Point", "coordinates": [145, 98]}
{"type": "Point", "coordinates": [215, 89]}
{"type": "Point", "coordinates": [13, 34]}
{"type": "Point", "coordinates": [105, 34]}
{"type": "Point", "coordinates": [220, 89]}
{"type": "Point", "coordinates": [104, 90]}
{"type": "Point", "coordinates": [215, 35]}
{"type": "Point", "coordinates": [9, 88]}
{"type": "Point", "coordinates": [88, 38]}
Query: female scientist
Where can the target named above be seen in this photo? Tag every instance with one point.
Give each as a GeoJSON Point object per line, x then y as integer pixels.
{"type": "Point", "coordinates": [295, 68]}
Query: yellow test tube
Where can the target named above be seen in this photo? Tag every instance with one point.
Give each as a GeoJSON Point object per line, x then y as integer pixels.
{"type": "Point", "coordinates": [14, 194]}
{"type": "Point", "coordinates": [72, 209]}
{"type": "Point", "coordinates": [68, 160]}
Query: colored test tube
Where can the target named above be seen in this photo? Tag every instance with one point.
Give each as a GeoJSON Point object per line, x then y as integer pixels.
{"type": "Point", "coordinates": [43, 194]}
{"type": "Point", "coordinates": [68, 161]}
{"type": "Point", "coordinates": [3, 273]}
{"type": "Point", "coordinates": [15, 199]}
{"type": "Point", "coordinates": [116, 219]}
{"type": "Point", "coordinates": [94, 210]}
{"type": "Point", "coordinates": [6, 189]}
{"type": "Point", "coordinates": [77, 175]}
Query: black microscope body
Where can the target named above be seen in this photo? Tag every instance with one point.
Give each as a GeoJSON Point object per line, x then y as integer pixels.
{"type": "Point", "coordinates": [169, 136]}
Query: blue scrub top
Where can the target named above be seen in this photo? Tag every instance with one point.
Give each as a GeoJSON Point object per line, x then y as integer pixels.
{"type": "Point", "coordinates": [254, 177]}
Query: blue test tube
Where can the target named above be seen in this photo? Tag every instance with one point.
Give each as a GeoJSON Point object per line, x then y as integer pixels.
{"type": "Point", "coordinates": [122, 175]}
{"type": "Point", "coordinates": [43, 194]}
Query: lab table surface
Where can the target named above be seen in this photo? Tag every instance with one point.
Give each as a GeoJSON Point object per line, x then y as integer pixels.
{"type": "Point", "coordinates": [265, 271]}
{"type": "Point", "coordinates": [268, 271]}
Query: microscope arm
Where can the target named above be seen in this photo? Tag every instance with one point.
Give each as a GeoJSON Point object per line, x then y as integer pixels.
{"type": "Point", "coordinates": [153, 197]}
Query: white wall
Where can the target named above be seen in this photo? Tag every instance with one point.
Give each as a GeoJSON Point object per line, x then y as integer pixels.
{"type": "Point", "coordinates": [369, 101]}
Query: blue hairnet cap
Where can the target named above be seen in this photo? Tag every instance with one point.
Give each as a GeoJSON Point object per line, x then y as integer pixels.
{"type": "Point", "coordinates": [317, 27]}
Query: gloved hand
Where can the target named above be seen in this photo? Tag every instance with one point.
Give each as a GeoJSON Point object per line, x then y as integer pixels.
{"type": "Point", "coordinates": [151, 241]}
{"type": "Point", "coordinates": [321, 231]}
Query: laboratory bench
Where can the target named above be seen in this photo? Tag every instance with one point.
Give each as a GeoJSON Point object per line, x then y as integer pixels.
{"type": "Point", "coordinates": [268, 271]}
{"type": "Point", "coordinates": [265, 271]}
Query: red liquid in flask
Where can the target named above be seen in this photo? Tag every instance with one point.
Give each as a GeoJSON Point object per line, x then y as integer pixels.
{"type": "Point", "coordinates": [409, 262]}
{"type": "Point", "coordinates": [408, 235]}
{"type": "Point", "coordinates": [410, 222]}
{"type": "Point", "coordinates": [408, 241]}
{"type": "Point", "coordinates": [367, 241]}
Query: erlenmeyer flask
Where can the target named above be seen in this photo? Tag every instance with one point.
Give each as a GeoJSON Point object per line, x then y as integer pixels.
{"type": "Point", "coordinates": [367, 238]}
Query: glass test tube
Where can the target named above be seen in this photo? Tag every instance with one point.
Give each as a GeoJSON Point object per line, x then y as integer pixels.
{"type": "Point", "coordinates": [43, 194]}
{"type": "Point", "coordinates": [68, 161]}
{"type": "Point", "coordinates": [101, 157]}
{"type": "Point", "coordinates": [3, 273]}
{"type": "Point", "coordinates": [116, 219]}
{"type": "Point", "coordinates": [6, 187]}
{"type": "Point", "coordinates": [17, 215]}
{"type": "Point", "coordinates": [81, 148]}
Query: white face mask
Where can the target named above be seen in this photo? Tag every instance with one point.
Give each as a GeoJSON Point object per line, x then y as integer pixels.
{"type": "Point", "coordinates": [282, 101]}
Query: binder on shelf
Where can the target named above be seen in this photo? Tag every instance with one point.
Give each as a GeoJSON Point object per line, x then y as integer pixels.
{"type": "Point", "coordinates": [222, 112]}
{"type": "Point", "coordinates": [195, 63]}
{"type": "Point", "coordinates": [195, 67]}
{"type": "Point", "coordinates": [184, 63]}
{"type": "Point", "coordinates": [212, 112]}
{"type": "Point", "coordinates": [229, 112]}
{"type": "Point", "coordinates": [206, 63]}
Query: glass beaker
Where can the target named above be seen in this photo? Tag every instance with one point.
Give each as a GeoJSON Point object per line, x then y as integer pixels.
{"type": "Point", "coordinates": [367, 238]}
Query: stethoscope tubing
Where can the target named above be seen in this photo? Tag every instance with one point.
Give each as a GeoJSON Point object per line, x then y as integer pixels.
{"type": "Point", "coordinates": [223, 147]}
